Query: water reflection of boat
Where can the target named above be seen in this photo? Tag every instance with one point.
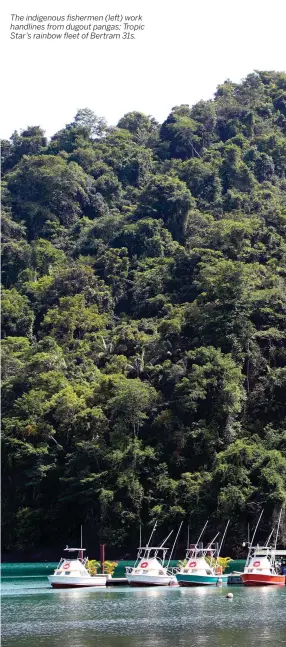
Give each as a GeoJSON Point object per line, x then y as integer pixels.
{"type": "Point", "coordinates": [71, 572]}
{"type": "Point", "coordinates": [197, 571]}
{"type": "Point", "coordinates": [262, 567]}
{"type": "Point", "coordinates": [149, 569]}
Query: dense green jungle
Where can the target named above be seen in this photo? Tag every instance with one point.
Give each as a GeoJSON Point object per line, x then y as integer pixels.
{"type": "Point", "coordinates": [143, 323]}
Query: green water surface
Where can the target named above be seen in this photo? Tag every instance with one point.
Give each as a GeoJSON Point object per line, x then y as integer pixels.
{"type": "Point", "coordinates": [35, 615]}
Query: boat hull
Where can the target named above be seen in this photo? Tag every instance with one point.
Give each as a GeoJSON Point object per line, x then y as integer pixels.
{"type": "Point", "coordinates": [67, 582]}
{"type": "Point", "coordinates": [258, 579]}
{"type": "Point", "coordinates": [201, 580]}
{"type": "Point", "coordinates": [143, 580]}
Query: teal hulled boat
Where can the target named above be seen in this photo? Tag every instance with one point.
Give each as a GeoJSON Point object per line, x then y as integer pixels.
{"type": "Point", "coordinates": [197, 571]}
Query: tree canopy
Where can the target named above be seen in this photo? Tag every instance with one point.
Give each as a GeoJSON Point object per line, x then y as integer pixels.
{"type": "Point", "coordinates": [144, 311]}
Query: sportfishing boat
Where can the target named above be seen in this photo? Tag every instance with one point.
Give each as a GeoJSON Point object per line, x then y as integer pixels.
{"type": "Point", "coordinates": [262, 567]}
{"type": "Point", "coordinates": [71, 572]}
{"type": "Point", "coordinates": [197, 571]}
{"type": "Point", "coordinates": [149, 569]}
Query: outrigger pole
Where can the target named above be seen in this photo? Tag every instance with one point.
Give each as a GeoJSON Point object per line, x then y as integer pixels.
{"type": "Point", "coordinates": [203, 530]}
{"type": "Point", "coordinates": [152, 533]}
{"type": "Point", "coordinates": [144, 548]}
{"type": "Point", "coordinates": [252, 539]}
{"type": "Point", "coordinates": [163, 542]}
{"type": "Point", "coordinates": [258, 522]}
{"type": "Point", "coordinates": [278, 526]}
{"type": "Point", "coordinates": [177, 535]}
{"type": "Point", "coordinates": [81, 551]}
{"type": "Point", "coordinates": [268, 539]}
{"type": "Point", "coordinates": [212, 541]}
{"type": "Point", "coordinates": [221, 543]}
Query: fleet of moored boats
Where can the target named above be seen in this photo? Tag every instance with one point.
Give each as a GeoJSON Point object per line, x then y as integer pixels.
{"type": "Point", "coordinates": [264, 565]}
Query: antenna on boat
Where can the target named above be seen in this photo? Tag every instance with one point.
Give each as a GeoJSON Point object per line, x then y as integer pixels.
{"type": "Point", "coordinates": [81, 536]}
{"type": "Point", "coordinates": [188, 536]}
{"type": "Point", "coordinates": [203, 530]}
{"type": "Point", "coordinates": [221, 543]}
{"type": "Point", "coordinates": [169, 535]}
{"type": "Point", "coordinates": [278, 526]}
{"type": "Point", "coordinates": [177, 535]}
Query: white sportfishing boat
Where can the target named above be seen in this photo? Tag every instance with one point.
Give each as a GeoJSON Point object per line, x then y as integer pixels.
{"type": "Point", "coordinates": [149, 569]}
{"type": "Point", "coordinates": [71, 572]}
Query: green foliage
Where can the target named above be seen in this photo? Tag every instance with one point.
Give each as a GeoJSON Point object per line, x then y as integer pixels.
{"type": "Point", "coordinates": [109, 567]}
{"type": "Point", "coordinates": [92, 566]}
{"type": "Point", "coordinates": [17, 316]}
{"type": "Point", "coordinates": [143, 309]}
{"type": "Point", "coordinates": [169, 199]}
{"type": "Point", "coordinates": [46, 188]}
{"type": "Point", "coordinates": [222, 563]}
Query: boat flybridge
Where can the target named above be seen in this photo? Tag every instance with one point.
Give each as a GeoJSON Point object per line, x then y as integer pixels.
{"type": "Point", "coordinates": [197, 571]}
{"type": "Point", "coordinates": [71, 572]}
{"type": "Point", "coordinates": [262, 566]}
{"type": "Point", "coordinates": [149, 569]}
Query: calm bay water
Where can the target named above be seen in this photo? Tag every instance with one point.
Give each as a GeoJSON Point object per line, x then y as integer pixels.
{"type": "Point", "coordinates": [34, 615]}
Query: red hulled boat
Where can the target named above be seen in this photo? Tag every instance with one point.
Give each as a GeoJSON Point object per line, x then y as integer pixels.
{"type": "Point", "coordinates": [262, 567]}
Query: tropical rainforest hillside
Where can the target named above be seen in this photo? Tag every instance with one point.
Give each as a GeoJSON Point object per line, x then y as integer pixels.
{"type": "Point", "coordinates": [144, 328]}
